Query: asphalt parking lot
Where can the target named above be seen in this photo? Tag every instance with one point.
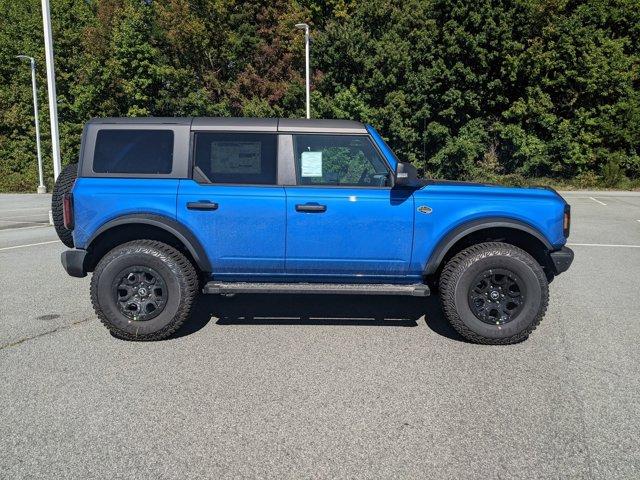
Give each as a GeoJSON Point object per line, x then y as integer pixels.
{"type": "Point", "coordinates": [321, 387]}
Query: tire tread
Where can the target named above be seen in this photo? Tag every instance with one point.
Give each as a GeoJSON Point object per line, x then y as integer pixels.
{"type": "Point", "coordinates": [187, 277]}
{"type": "Point", "coordinates": [63, 185]}
{"type": "Point", "coordinates": [456, 266]}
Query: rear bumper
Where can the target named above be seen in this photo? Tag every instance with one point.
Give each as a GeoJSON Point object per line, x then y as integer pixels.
{"type": "Point", "coordinates": [562, 259]}
{"type": "Point", "coordinates": [73, 262]}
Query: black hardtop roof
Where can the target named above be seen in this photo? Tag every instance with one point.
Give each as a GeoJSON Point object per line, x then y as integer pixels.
{"type": "Point", "coordinates": [240, 124]}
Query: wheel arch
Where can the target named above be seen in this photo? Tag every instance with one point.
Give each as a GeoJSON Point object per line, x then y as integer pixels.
{"type": "Point", "coordinates": [508, 230]}
{"type": "Point", "coordinates": [145, 226]}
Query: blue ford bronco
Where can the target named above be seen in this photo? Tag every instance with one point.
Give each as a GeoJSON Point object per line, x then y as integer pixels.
{"type": "Point", "coordinates": [161, 209]}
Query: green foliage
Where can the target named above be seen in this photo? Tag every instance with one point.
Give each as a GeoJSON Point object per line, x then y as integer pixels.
{"type": "Point", "coordinates": [506, 90]}
{"type": "Point", "coordinates": [612, 174]}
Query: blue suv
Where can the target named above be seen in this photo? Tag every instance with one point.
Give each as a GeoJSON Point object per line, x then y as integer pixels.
{"type": "Point", "coordinates": [161, 209]}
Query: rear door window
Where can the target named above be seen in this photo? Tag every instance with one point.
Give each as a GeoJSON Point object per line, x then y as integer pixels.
{"type": "Point", "coordinates": [133, 151]}
{"type": "Point", "coordinates": [236, 158]}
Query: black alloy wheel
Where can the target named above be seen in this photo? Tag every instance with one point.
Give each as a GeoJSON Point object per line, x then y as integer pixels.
{"type": "Point", "coordinates": [496, 296]}
{"type": "Point", "coordinates": [141, 293]}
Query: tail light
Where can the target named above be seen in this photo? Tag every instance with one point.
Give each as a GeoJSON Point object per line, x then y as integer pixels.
{"type": "Point", "coordinates": [67, 211]}
{"type": "Point", "coordinates": [566, 222]}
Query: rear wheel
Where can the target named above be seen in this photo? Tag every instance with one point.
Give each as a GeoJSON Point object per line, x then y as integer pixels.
{"type": "Point", "coordinates": [494, 293]}
{"type": "Point", "coordinates": [143, 290]}
{"type": "Point", "coordinates": [63, 185]}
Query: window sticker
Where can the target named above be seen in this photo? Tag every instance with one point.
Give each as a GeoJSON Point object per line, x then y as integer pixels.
{"type": "Point", "coordinates": [311, 164]}
{"type": "Point", "coordinates": [236, 157]}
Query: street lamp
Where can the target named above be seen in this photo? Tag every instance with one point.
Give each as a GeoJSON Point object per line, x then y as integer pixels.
{"type": "Point", "coordinates": [41, 187]}
{"type": "Point", "coordinates": [305, 27]}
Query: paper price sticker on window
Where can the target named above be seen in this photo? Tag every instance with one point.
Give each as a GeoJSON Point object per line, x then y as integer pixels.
{"type": "Point", "coordinates": [236, 157]}
{"type": "Point", "coordinates": [311, 164]}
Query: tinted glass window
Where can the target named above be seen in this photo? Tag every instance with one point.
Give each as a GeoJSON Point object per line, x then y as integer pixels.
{"type": "Point", "coordinates": [339, 160]}
{"type": "Point", "coordinates": [133, 151]}
{"type": "Point", "coordinates": [236, 157]}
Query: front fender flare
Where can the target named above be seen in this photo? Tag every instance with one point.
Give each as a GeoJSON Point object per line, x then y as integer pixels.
{"type": "Point", "coordinates": [465, 229]}
{"type": "Point", "coordinates": [182, 233]}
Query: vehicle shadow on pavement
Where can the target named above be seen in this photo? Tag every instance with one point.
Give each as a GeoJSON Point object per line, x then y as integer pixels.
{"type": "Point", "coordinates": [357, 310]}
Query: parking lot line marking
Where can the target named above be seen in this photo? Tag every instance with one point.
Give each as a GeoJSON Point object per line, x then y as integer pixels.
{"type": "Point", "coordinates": [601, 245]}
{"type": "Point", "coordinates": [13, 217]}
{"type": "Point", "coordinates": [597, 201]}
{"type": "Point", "coordinates": [22, 221]}
{"type": "Point", "coordinates": [39, 225]}
{"type": "Point", "coordinates": [24, 209]}
{"type": "Point", "coordinates": [28, 245]}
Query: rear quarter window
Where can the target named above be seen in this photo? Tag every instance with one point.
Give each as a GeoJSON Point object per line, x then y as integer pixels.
{"type": "Point", "coordinates": [133, 151]}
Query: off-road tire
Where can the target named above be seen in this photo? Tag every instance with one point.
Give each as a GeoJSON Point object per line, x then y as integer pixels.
{"type": "Point", "coordinates": [177, 272]}
{"type": "Point", "coordinates": [457, 278]}
{"type": "Point", "coordinates": [60, 189]}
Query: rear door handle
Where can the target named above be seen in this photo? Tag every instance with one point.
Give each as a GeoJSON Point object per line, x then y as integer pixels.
{"type": "Point", "coordinates": [311, 208]}
{"type": "Point", "coordinates": [202, 206]}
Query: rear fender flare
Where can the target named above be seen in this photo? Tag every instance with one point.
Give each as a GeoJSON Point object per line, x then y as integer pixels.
{"type": "Point", "coordinates": [182, 233]}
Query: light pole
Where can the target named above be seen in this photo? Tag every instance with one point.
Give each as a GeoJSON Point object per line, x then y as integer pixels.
{"type": "Point", "coordinates": [41, 187]}
{"type": "Point", "coordinates": [51, 87]}
{"type": "Point", "coordinates": [305, 27]}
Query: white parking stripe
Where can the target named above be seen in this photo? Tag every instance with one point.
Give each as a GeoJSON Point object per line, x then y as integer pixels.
{"type": "Point", "coordinates": [24, 209]}
{"type": "Point", "coordinates": [601, 245]}
{"type": "Point", "coordinates": [40, 225]}
{"type": "Point", "coordinates": [597, 201]}
{"type": "Point", "coordinates": [28, 245]}
{"type": "Point", "coordinates": [22, 221]}
{"type": "Point", "coordinates": [13, 217]}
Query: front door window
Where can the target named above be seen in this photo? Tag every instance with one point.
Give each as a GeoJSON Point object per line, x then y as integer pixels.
{"type": "Point", "coordinates": [340, 160]}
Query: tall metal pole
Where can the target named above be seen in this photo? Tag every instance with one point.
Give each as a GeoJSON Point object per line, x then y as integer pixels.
{"type": "Point", "coordinates": [307, 42]}
{"type": "Point", "coordinates": [34, 87]}
{"type": "Point", "coordinates": [305, 27]}
{"type": "Point", "coordinates": [51, 87]}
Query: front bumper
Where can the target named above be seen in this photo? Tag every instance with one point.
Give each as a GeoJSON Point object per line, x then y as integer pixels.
{"type": "Point", "coordinates": [73, 262]}
{"type": "Point", "coordinates": [562, 259]}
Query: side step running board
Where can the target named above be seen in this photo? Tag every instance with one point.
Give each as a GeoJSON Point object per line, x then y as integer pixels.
{"type": "Point", "coordinates": [416, 290]}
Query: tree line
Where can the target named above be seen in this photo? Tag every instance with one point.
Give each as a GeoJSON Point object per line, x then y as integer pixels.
{"type": "Point", "coordinates": [516, 91]}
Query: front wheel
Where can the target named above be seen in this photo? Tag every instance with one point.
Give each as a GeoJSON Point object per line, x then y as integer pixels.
{"type": "Point", "coordinates": [494, 293]}
{"type": "Point", "coordinates": [143, 290]}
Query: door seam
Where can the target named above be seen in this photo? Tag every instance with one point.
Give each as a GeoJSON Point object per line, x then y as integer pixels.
{"type": "Point", "coordinates": [286, 229]}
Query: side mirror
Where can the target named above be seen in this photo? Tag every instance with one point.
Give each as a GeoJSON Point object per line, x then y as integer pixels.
{"type": "Point", "coordinates": [406, 175]}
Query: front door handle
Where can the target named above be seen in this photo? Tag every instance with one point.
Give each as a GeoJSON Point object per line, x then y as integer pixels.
{"type": "Point", "coordinates": [202, 206]}
{"type": "Point", "coordinates": [311, 208]}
